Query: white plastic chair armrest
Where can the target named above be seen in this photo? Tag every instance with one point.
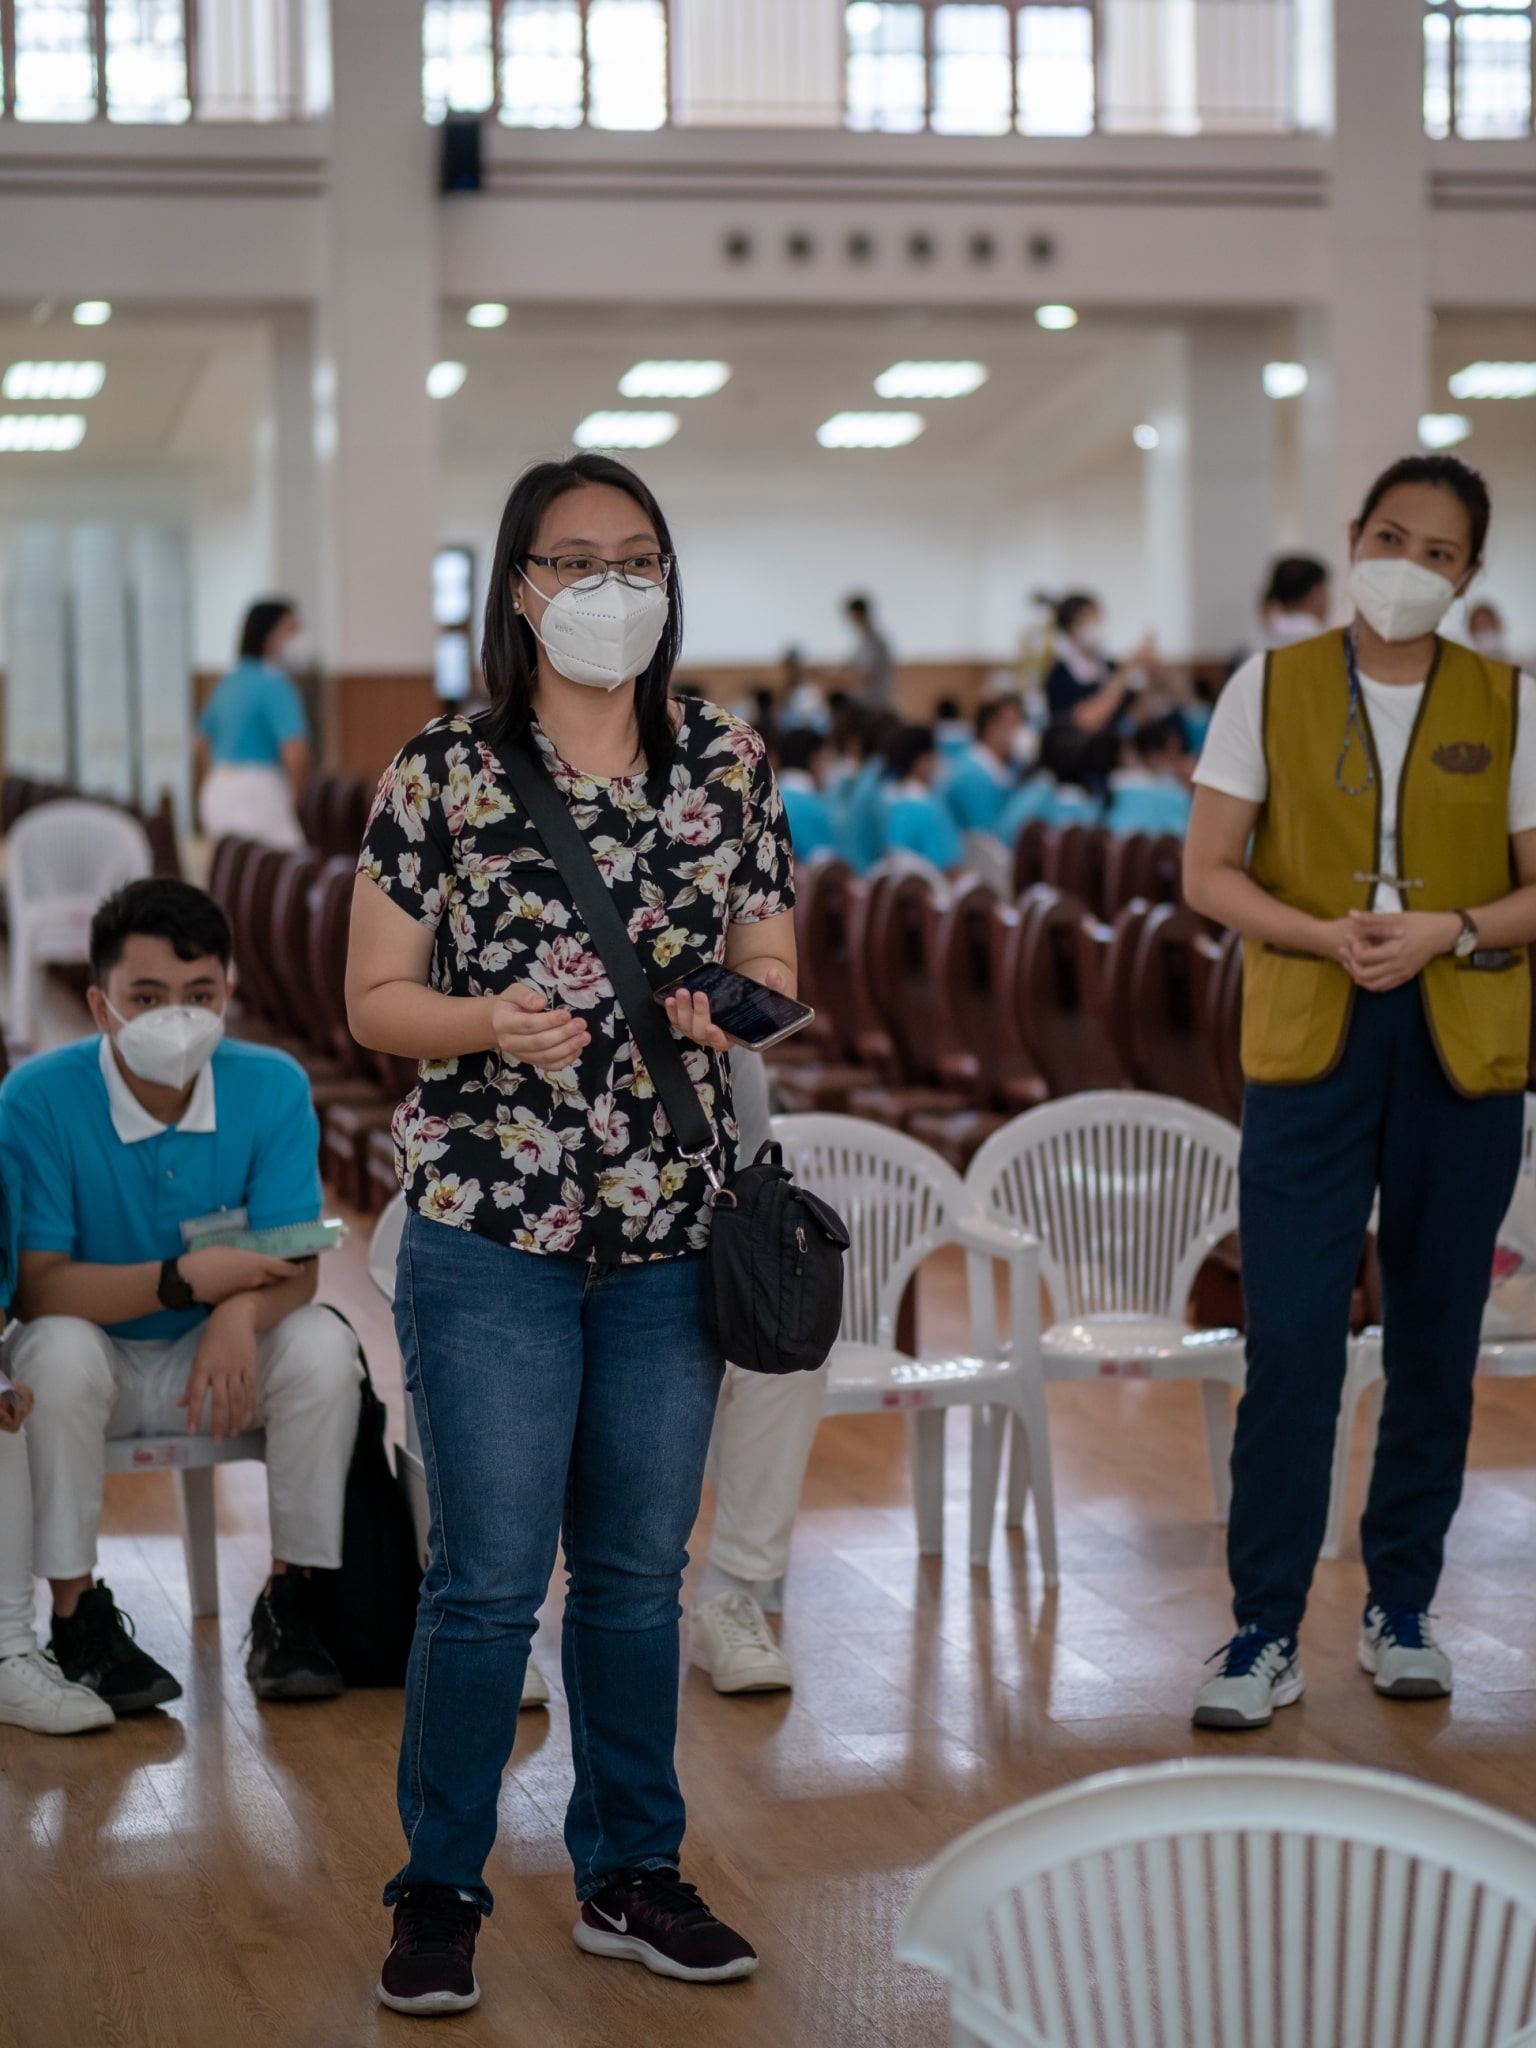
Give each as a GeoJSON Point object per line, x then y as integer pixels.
{"type": "Point", "coordinates": [996, 1240]}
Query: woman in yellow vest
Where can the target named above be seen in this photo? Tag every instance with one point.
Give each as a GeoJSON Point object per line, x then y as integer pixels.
{"type": "Point", "coordinates": [1365, 815]}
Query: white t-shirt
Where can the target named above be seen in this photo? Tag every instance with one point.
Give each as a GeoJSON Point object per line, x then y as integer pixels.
{"type": "Point", "coordinates": [1232, 759]}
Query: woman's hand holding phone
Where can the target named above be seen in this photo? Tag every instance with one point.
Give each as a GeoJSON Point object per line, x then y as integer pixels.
{"type": "Point", "coordinates": [689, 1013]}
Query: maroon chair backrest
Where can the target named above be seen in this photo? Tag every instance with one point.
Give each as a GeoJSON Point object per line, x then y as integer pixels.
{"type": "Point", "coordinates": [229, 855]}
{"type": "Point", "coordinates": [1032, 854]}
{"type": "Point", "coordinates": [330, 919]}
{"type": "Point", "coordinates": [253, 931]}
{"type": "Point", "coordinates": [1171, 1052]}
{"type": "Point", "coordinates": [907, 995]}
{"type": "Point", "coordinates": [1223, 1024]}
{"type": "Point", "coordinates": [160, 827]}
{"type": "Point", "coordinates": [868, 1033]}
{"type": "Point", "coordinates": [1075, 864]}
{"type": "Point", "coordinates": [311, 807]}
{"type": "Point", "coordinates": [826, 907]}
{"type": "Point", "coordinates": [1127, 871]}
{"type": "Point", "coordinates": [970, 952]}
{"type": "Point", "coordinates": [1167, 879]}
{"type": "Point", "coordinates": [1059, 1021]}
{"type": "Point", "coordinates": [347, 802]}
{"type": "Point", "coordinates": [288, 946]}
{"type": "Point", "coordinates": [1115, 989]}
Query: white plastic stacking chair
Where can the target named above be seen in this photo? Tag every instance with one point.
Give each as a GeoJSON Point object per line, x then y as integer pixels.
{"type": "Point", "coordinates": [901, 1202]}
{"type": "Point", "coordinates": [1127, 1194]}
{"type": "Point", "coordinates": [1216, 1904]}
{"type": "Point", "coordinates": [192, 1459]}
{"type": "Point", "coordinates": [383, 1252]}
{"type": "Point", "coordinates": [1365, 1378]}
{"type": "Point", "coordinates": [61, 860]}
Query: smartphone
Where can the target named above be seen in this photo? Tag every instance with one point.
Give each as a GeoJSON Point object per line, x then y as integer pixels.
{"type": "Point", "coordinates": [758, 1016]}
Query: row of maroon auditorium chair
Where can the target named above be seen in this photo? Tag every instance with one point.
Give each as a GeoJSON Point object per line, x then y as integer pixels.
{"type": "Point", "coordinates": [21, 793]}
{"type": "Point", "coordinates": [1103, 869]}
{"type": "Point", "coordinates": [943, 1009]}
{"type": "Point", "coordinates": [290, 914]}
{"type": "Point", "coordinates": [333, 813]}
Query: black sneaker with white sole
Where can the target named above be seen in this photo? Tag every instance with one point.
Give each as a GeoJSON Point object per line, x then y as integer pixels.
{"type": "Point", "coordinates": [94, 1647]}
{"type": "Point", "coordinates": [652, 1917]}
{"type": "Point", "coordinates": [430, 1968]}
{"type": "Point", "coordinates": [287, 1660]}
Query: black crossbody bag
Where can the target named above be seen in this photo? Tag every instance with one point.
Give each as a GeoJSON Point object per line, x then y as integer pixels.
{"type": "Point", "coordinates": [774, 1267]}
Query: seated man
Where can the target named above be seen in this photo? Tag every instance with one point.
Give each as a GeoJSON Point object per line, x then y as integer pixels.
{"type": "Point", "coordinates": [119, 1143]}
{"type": "Point", "coordinates": [915, 820]}
{"type": "Point", "coordinates": [979, 782]}
{"type": "Point", "coordinates": [1152, 793]}
{"type": "Point", "coordinates": [803, 754]}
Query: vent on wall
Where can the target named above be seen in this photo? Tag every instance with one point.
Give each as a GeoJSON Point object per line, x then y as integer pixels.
{"type": "Point", "coordinates": [917, 246]}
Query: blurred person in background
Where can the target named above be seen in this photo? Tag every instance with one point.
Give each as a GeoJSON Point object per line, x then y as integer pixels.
{"type": "Point", "coordinates": [915, 819]}
{"type": "Point", "coordinates": [1089, 698]}
{"type": "Point", "coordinates": [872, 671]}
{"type": "Point", "coordinates": [1296, 600]}
{"type": "Point", "coordinates": [1485, 629]}
{"type": "Point", "coordinates": [859, 817]}
{"type": "Point", "coordinates": [1151, 793]}
{"type": "Point", "coordinates": [804, 700]}
{"type": "Point", "coordinates": [978, 785]}
{"type": "Point", "coordinates": [253, 737]}
{"type": "Point", "coordinates": [803, 755]}
{"type": "Point", "coordinates": [951, 729]}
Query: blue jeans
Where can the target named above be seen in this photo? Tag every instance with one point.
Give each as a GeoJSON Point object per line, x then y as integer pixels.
{"type": "Point", "coordinates": [1313, 1158]}
{"type": "Point", "coordinates": [557, 1401]}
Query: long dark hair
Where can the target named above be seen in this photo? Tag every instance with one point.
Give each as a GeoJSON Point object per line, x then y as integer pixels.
{"type": "Point", "coordinates": [1446, 473]}
{"type": "Point", "coordinates": [260, 622]}
{"type": "Point", "coordinates": [509, 653]}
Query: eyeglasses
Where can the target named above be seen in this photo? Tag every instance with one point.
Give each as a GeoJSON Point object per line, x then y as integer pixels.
{"type": "Point", "coordinates": [591, 572]}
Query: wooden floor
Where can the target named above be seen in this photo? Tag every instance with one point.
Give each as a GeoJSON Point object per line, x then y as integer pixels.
{"type": "Point", "coordinates": [209, 1876]}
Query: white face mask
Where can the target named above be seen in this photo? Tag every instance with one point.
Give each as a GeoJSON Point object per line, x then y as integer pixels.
{"type": "Point", "coordinates": [1090, 636]}
{"type": "Point", "coordinates": [171, 1046]}
{"type": "Point", "coordinates": [603, 637]}
{"type": "Point", "coordinates": [1399, 600]}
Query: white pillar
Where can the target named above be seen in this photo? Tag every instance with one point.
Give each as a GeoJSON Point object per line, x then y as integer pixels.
{"type": "Point", "coordinates": [297, 551]}
{"type": "Point", "coordinates": [162, 660]}
{"type": "Point", "coordinates": [376, 434]}
{"type": "Point", "coordinates": [1378, 312]}
{"type": "Point", "coordinates": [107, 721]}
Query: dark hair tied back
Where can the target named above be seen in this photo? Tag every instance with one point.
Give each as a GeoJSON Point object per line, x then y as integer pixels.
{"type": "Point", "coordinates": [264, 616]}
{"type": "Point", "coordinates": [509, 653]}
{"type": "Point", "coordinates": [1445, 473]}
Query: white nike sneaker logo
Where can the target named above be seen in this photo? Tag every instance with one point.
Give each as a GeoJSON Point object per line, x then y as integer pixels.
{"type": "Point", "coordinates": [619, 1926]}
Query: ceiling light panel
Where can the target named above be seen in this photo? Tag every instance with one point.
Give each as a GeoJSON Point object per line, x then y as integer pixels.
{"type": "Point", "coordinates": [870, 429]}
{"type": "Point", "coordinates": [931, 380]}
{"type": "Point", "coordinates": [1055, 319]}
{"type": "Point", "coordinates": [1146, 437]}
{"type": "Point", "coordinates": [1443, 429]}
{"type": "Point", "coordinates": [626, 430]}
{"type": "Point", "coordinates": [53, 380]}
{"type": "Point", "coordinates": [1284, 380]}
{"type": "Point", "coordinates": [674, 379]}
{"type": "Point", "coordinates": [40, 433]}
{"type": "Point", "coordinates": [489, 313]}
{"type": "Point", "coordinates": [93, 313]}
{"type": "Point", "coordinates": [1495, 380]}
{"type": "Point", "coordinates": [444, 379]}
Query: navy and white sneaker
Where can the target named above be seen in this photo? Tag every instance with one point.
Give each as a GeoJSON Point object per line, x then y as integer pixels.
{"type": "Point", "coordinates": [1401, 1654]}
{"type": "Point", "coordinates": [652, 1917]}
{"type": "Point", "coordinates": [1259, 1672]}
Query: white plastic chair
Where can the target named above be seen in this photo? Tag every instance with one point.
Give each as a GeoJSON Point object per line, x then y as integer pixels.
{"type": "Point", "coordinates": [1365, 1378]}
{"type": "Point", "coordinates": [1219, 1904]}
{"type": "Point", "coordinates": [383, 1252]}
{"type": "Point", "coordinates": [61, 860]}
{"type": "Point", "coordinates": [192, 1459]}
{"type": "Point", "coordinates": [986, 855]}
{"type": "Point", "coordinates": [1127, 1194]}
{"type": "Point", "coordinates": [901, 1201]}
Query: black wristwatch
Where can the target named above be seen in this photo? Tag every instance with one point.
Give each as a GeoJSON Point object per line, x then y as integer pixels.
{"type": "Point", "coordinates": [175, 1290]}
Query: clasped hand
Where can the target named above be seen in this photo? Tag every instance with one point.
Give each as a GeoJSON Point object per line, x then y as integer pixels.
{"type": "Point", "coordinates": [1381, 950]}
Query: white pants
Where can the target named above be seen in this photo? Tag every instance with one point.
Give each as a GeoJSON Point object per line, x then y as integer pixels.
{"type": "Point", "coordinates": [765, 1423]}
{"type": "Point", "coordinates": [250, 803]}
{"type": "Point", "coordinates": [91, 1388]}
{"type": "Point", "coordinates": [16, 1595]}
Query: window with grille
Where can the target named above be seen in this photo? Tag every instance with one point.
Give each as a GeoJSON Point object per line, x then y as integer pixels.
{"type": "Point", "coordinates": [1477, 68]}
{"type": "Point", "coordinates": [547, 63]}
{"type": "Point", "coordinates": [970, 67]}
{"type": "Point", "coordinates": [164, 60]}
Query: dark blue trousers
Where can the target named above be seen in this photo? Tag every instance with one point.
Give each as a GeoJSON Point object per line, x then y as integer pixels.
{"type": "Point", "coordinates": [1313, 1158]}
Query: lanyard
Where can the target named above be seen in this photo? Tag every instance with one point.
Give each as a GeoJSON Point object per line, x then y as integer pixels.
{"type": "Point", "coordinates": [1354, 725]}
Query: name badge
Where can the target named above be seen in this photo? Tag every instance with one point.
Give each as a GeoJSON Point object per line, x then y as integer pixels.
{"type": "Point", "coordinates": [196, 1228]}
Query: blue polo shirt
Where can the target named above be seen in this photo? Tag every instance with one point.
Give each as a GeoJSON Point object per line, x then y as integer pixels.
{"type": "Point", "coordinates": [977, 789]}
{"type": "Point", "coordinates": [916, 822]}
{"type": "Point", "coordinates": [252, 712]}
{"type": "Point", "coordinates": [250, 1140]}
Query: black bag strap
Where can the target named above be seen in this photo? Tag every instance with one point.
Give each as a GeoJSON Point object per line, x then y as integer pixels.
{"type": "Point", "coordinates": [646, 1018]}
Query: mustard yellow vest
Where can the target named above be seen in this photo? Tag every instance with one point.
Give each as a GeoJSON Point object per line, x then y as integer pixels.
{"type": "Point", "coordinates": [1312, 841]}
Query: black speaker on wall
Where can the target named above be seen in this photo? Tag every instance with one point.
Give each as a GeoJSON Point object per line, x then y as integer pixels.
{"type": "Point", "coordinates": [460, 168]}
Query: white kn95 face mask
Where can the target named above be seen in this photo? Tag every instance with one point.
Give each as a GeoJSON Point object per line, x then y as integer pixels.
{"type": "Point", "coordinates": [603, 637]}
{"type": "Point", "coordinates": [169, 1046]}
{"type": "Point", "coordinates": [1400, 600]}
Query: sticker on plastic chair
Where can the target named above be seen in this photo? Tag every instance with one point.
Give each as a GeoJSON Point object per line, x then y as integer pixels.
{"type": "Point", "coordinates": [1125, 1368]}
{"type": "Point", "coordinates": [148, 1457]}
{"type": "Point", "coordinates": [906, 1397]}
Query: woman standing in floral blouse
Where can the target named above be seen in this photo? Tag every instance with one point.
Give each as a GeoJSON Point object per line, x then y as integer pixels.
{"type": "Point", "coordinates": [549, 1300]}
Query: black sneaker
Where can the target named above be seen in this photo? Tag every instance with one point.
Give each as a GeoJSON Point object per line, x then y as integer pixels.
{"type": "Point", "coordinates": [288, 1661]}
{"type": "Point", "coordinates": [430, 1967]}
{"type": "Point", "coordinates": [95, 1647]}
{"type": "Point", "coordinates": [652, 1917]}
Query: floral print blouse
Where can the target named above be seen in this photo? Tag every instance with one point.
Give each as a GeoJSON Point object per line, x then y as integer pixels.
{"type": "Point", "coordinates": [581, 1163]}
